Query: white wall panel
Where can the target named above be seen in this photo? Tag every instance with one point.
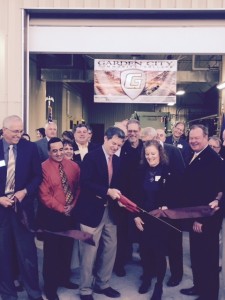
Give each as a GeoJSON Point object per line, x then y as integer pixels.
{"type": "Point", "coordinates": [127, 40]}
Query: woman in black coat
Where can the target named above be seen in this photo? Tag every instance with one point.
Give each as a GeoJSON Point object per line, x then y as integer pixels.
{"type": "Point", "coordinates": [156, 189]}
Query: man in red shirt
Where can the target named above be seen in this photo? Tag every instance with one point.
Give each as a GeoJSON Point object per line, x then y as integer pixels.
{"type": "Point", "coordinates": [58, 192]}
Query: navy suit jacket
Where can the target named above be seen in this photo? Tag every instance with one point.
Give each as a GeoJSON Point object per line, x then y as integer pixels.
{"type": "Point", "coordinates": [76, 154]}
{"type": "Point", "coordinates": [183, 146]}
{"type": "Point", "coordinates": [28, 174]}
{"type": "Point", "coordinates": [94, 186]}
{"type": "Point", "coordinates": [203, 179]}
{"type": "Point", "coordinates": [42, 145]}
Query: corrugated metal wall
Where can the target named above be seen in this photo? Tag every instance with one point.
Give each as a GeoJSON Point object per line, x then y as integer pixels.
{"type": "Point", "coordinates": [11, 36]}
{"type": "Point", "coordinates": [154, 4]}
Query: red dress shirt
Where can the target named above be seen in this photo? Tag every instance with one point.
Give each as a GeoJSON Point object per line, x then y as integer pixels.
{"type": "Point", "coordinates": [51, 189]}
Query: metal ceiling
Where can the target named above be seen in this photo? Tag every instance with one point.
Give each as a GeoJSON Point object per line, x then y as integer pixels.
{"type": "Point", "coordinates": [196, 73]}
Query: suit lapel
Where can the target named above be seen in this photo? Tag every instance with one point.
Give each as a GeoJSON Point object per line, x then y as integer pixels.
{"type": "Point", "coordinates": [3, 170]}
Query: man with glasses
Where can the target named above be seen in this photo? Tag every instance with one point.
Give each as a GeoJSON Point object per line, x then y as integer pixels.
{"type": "Point", "coordinates": [177, 139]}
{"type": "Point", "coordinates": [20, 176]}
{"type": "Point", "coordinates": [215, 143]}
{"type": "Point", "coordinates": [130, 158]}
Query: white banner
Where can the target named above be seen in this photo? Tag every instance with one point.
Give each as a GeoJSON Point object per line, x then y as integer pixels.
{"type": "Point", "coordinates": [135, 81]}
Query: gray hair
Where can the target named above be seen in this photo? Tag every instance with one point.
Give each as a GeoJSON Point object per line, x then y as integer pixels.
{"type": "Point", "coordinates": [149, 131]}
{"type": "Point", "coordinates": [7, 121]}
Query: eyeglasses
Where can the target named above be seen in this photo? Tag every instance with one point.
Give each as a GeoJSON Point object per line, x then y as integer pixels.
{"type": "Point", "coordinates": [15, 131]}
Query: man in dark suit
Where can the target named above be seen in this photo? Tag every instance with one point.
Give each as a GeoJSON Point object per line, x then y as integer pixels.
{"type": "Point", "coordinates": [82, 144]}
{"type": "Point", "coordinates": [16, 209]}
{"type": "Point", "coordinates": [127, 232]}
{"type": "Point", "coordinates": [203, 185]}
{"type": "Point", "coordinates": [42, 144]}
{"type": "Point", "coordinates": [96, 211]}
{"type": "Point", "coordinates": [177, 139]}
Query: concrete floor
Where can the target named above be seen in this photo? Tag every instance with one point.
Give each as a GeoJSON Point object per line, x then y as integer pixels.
{"type": "Point", "coordinates": [128, 285]}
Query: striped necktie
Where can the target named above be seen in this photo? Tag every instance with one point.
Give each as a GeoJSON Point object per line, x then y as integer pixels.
{"type": "Point", "coordinates": [110, 168]}
{"type": "Point", "coordinates": [65, 184]}
{"type": "Point", "coordinates": [10, 179]}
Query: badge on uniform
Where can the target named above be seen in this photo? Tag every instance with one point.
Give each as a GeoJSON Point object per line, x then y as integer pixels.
{"type": "Point", "coordinates": [2, 163]}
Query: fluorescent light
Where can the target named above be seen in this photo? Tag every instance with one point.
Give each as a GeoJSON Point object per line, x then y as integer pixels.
{"type": "Point", "coordinates": [170, 103]}
{"type": "Point", "coordinates": [180, 92]}
{"type": "Point", "coordinates": [221, 85]}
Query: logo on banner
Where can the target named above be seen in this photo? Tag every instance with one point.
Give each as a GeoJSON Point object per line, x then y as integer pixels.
{"type": "Point", "coordinates": [133, 82]}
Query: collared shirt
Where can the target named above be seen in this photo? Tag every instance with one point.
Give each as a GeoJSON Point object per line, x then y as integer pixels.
{"type": "Point", "coordinates": [6, 151]}
{"type": "Point", "coordinates": [106, 155]}
{"type": "Point", "coordinates": [83, 150]}
{"type": "Point", "coordinates": [51, 190]}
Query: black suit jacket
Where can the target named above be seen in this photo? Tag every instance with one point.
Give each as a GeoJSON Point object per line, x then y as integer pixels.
{"type": "Point", "coordinates": [76, 154]}
{"type": "Point", "coordinates": [203, 179]}
{"type": "Point", "coordinates": [184, 148]}
{"type": "Point", "coordinates": [28, 174]}
{"type": "Point", "coordinates": [94, 186]}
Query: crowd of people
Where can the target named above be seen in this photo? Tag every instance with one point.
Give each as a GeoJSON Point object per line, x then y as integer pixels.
{"type": "Point", "coordinates": [63, 185]}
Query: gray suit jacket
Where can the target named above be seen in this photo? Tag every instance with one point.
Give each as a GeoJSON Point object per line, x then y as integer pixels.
{"type": "Point", "coordinates": [42, 145]}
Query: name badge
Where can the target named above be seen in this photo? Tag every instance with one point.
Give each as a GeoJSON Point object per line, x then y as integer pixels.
{"type": "Point", "coordinates": [2, 163]}
{"type": "Point", "coordinates": [180, 146]}
{"type": "Point", "coordinates": [157, 178]}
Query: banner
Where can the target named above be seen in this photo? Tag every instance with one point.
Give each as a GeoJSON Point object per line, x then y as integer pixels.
{"type": "Point", "coordinates": [135, 81]}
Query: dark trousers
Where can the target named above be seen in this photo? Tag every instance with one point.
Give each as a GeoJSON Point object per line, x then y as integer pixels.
{"type": "Point", "coordinates": [204, 251]}
{"type": "Point", "coordinates": [56, 262]}
{"type": "Point", "coordinates": [124, 245]}
{"type": "Point", "coordinates": [153, 249]}
{"type": "Point", "coordinates": [175, 254]}
{"type": "Point", "coordinates": [13, 235]}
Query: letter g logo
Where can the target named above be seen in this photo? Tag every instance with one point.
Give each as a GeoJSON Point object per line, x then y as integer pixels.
{"type": "Point", "coordinates": [133, 82]}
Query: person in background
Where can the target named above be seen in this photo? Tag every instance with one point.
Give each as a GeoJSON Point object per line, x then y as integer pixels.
{"type": "Point", "coordinates": [68, 149]}
{"type": "Point", "coordinates": [157, 187]}
{"type": "Point", "coordinates": [20, 177]}
{"type": "Point", "coordinates": [42, 144]}
{"type": "Point", "coordinates": [90, 133]}
{"type": "Point", "coordinates": [97, 212]}
{"type": "Point", "coordinates": [127, 233]}
{"type": "Point", "coordinates": [161, 135]}
{"type": "Point", "coordinates": [177, 139]}
{"type": "Point", "coordinates": [215, 143]}
{"type": "Point", "coordinates": [40, 132]}
{"type": "Point", "coordinates": [123, 127]}
{"type": "Point", "coordinates": [68, 135]}
{"type": "Point", "coordinates": [25, 136]}
{"type": "Point", "coordinates": [82, 146]}
{"type": "Point", "coordinates": [1, 133]}
{"type": "Point", "coordinates": [203, 184]}
{"type": "Point", "coordinates": [58, 193]}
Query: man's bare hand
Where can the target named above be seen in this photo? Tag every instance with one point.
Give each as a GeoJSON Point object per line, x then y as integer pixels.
{"type": "Point", "coordinates": [214, 204]}
{"type": "Point", "coordinates": [6, 202]}
{"type": "Point", "coordinates": [19, 195]}
{"type": "Point", "coordinates": [114, 193]}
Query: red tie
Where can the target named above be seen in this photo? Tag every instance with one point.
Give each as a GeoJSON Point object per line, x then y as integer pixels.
{"type": "Point", "coordinates": [110, 168]}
